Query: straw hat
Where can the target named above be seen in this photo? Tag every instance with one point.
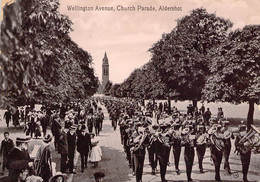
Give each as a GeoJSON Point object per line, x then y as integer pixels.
{"type": "Point", "coordinates": [58, 174]}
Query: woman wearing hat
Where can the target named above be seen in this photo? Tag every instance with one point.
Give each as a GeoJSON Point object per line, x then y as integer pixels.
{"type": "Point", "coordinates": [42, 162]}
{"type": "Point", "coordinates": [58, 177]}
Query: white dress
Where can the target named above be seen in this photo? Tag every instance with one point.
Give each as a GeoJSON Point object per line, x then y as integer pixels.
{"type": "Point", "coordinates": [95, 154]}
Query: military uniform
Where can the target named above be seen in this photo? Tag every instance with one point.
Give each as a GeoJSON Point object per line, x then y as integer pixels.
{"type": "Point", "coordinates": [227, 147]}
{"type": "Point", "coordinates": [188, 150]}
{"type": "Point", "coordinates": [176, 143]}
{"type": "Point", "coordinates": [245, 157]}
{"type": "Point", "coordinates": [216, 156]}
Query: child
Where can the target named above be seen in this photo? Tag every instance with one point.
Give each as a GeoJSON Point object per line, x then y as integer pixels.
{"type": "Point", "coordinates": [96, 153]}
{"type": "Point", "coordinates": [99, 176]}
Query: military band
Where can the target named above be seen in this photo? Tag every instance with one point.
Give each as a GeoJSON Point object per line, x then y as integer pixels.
{"type": "Point", "coordinates": [193, 131]}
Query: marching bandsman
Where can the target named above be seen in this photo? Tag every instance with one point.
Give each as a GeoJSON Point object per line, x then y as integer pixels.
{"type": "Point", "coordinates": [138, 151]}
{"type": "Point", "coordinates": [163, 150]}
{"type": "Point", "coordinates": [189, 143]}
{"type": "Point", "coordinates": [216, 148]}
{"type": "Point", "coordinates": [201, 138]}
{"type": "Point", "coordinates": [245, 157]}
{"type": "Point", "coordinates": [227, 145]}
{"type": "Point", "coordinates": [176, 143]}
{"type": "Point", "coordinates": [152, 148]}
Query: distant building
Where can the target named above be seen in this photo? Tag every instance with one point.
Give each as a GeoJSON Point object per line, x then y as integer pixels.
{"type": "Point", "coordinates": [105, 74]}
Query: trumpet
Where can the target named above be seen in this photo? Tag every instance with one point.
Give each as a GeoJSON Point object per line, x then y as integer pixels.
{"type": "Point", "coordinates": [250, 141]}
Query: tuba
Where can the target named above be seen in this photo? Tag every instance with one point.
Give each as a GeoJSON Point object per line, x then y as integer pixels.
{"type": "Point", "coordinates": [217, 142]}
{"type": "Point", "coordinates": [250, 141]}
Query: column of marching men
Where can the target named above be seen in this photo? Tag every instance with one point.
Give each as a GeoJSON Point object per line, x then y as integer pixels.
{"type": "Point", "coordinates": [193, 131]}
{"type": "Point", "coordinates": [72, 131]}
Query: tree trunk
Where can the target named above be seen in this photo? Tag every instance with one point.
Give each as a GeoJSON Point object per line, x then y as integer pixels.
{"type": "Point", "coordinates": [250, 115]}
{"type": "Point", "coordinates": [194, 103]}
{"type": "Point", "coordinates": [169, 104]}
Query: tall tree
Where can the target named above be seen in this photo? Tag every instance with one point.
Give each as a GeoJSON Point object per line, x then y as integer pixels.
{"type": "Point", "coordinates": [235, 70]}
{"type": "Point", "coordinates": [181, 57]}
{"type": "Point", "coordinates": [38, 57]}
{"type": "Point", "coordinates": [107, 89]}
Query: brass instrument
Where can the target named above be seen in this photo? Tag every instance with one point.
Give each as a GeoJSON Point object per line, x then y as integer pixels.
{"type": "Point", "coordinates": [217, 141]}
{"type": "Point", "coordinates": [202, 139]}
{"type": "Point", "coordinates": [250, 141]}
{"type": "Point", "coordinates": [227, 134]}
{"type": "Point", "coordinates": [139, 140]}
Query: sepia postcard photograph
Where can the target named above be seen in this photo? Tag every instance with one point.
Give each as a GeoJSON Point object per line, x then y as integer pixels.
{"type": "Point", "coordinates": [130, 91]}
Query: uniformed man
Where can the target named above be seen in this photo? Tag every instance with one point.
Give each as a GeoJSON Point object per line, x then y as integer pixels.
{"type": "Point", "coordinates": [189, 143]}
{"type": "Point", "coordinates": [177, 146]}
{"type": "Point", "coordinates": [138, 152]}
{"type": "Point", "coordinates": [163, 150]}
{"type": "Point", "coordinates": [227, 145]}
{"type": "Point", "coordinates": [152, 149]}
{"type": "Point", "coordinates": [216, 149]}
{"type": "Point", "coordinates": [245, 157]}
{"type": "Point", "coordinates": [201, 145]}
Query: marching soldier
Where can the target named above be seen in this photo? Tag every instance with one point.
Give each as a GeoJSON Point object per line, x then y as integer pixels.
{"type": "Point", "coordinates": [245, 157]}
{"type": "Point", "coordinates": [177, 146]}
{"type": "Point", "coordinates": [163, 151]}
{"type": "Point", "coordinates": [201, 145]}
{"type": "Point", "coordinates": [152, 149]}
{"type": "Point", "coordinates": [227, 145]}
{"type": "Point", "coordinates": [189, 143]}
{"type": "Point", "coordinates": [216, 149]}
{"type": "Point", "coordinates": [138, 152]}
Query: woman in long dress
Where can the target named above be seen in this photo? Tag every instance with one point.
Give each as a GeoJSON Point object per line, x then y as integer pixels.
{"type": "Point", "coordinates": [42, 162]}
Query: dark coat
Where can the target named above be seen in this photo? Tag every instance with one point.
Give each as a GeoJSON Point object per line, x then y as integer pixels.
{"type": "Point", "coordinates": [83, 143]}
{"type": "Point", "coordinates": [71, 142]}
{"type": "Point", "coordinates": [14, 155]}
{"type": "Point", "coordinates": [6, 147]}
{"type": "Point", "coordinates": [63, 143]}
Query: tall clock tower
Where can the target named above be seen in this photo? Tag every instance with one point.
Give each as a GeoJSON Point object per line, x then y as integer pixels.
{"type": "Point", "coordinates": [105, 71]}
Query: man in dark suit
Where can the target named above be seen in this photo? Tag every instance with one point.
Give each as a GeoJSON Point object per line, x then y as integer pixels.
{"type": "Point", "coordinates": [55, 128]}
{"type": "Point", "coordinates": [71, 137]}
{"type": "Point", "coordinates": [7, 117]}
{"type": "Point", "coordinates": [6, 146]}
{"type": "Point", "coordinates": [83, 146]}
{"type": "Point", "coordinates": [16, 154]}
{"type": "Point", "coordinates": [63, 151]}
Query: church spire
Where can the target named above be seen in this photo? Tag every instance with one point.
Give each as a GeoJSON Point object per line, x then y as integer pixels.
{"type": "Point", "coordinates": [105, 59]}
